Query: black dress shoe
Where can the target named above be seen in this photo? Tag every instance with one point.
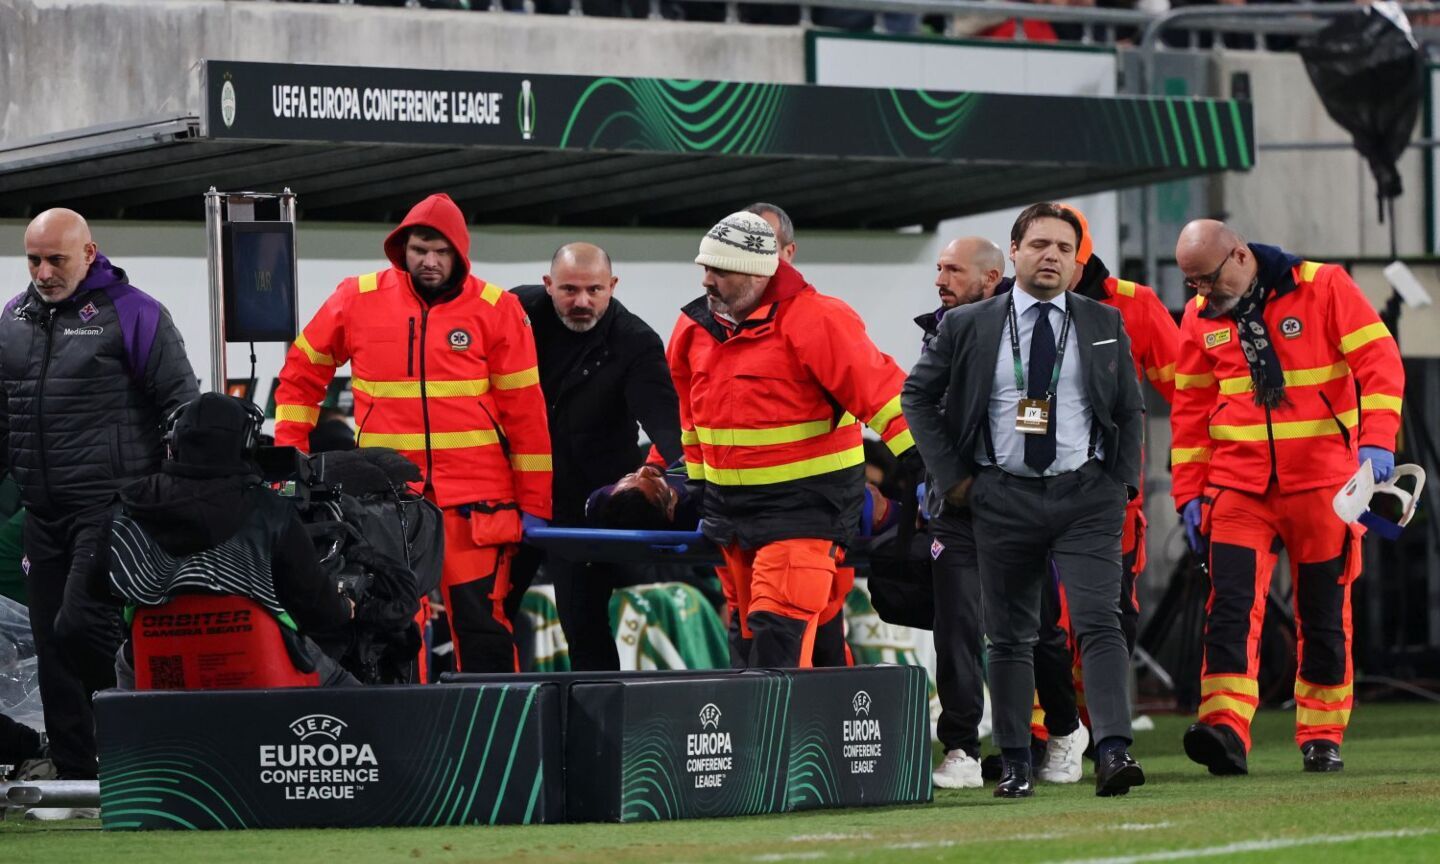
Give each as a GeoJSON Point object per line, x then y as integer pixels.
{"type": "Point", "coordinates": [1116, 772]}
{"type": "Point", "coordinates": [1322, 756]}
{"type": "Point", "coordinates": [1015, 783]}
{"type": "Point", "coordinates": [1217, 748]}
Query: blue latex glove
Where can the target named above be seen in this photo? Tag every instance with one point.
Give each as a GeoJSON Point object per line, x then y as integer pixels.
{"type": "Point", "coordinates": [920, 496]}
{"type": "Point", "coordinates": [1382, 460]}
{"type": "Point", "coordinates": [1190, 515]}
{"type": "Point", "coordinates": [528, 522]}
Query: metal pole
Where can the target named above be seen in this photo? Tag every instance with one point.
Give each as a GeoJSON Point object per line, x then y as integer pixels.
{"type": "Point", "coordinates": [214, 234]}
{"type": "Point", "coordinates": [54, 793]}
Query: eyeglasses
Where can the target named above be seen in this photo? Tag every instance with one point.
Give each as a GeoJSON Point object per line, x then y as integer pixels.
{"type": "Point", "coordinates": [1195, 283]}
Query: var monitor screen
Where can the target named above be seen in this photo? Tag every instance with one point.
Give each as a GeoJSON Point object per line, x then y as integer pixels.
{"type": "Point", "coordinates": [260, 288]}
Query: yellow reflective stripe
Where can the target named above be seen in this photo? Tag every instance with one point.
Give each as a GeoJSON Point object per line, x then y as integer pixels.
{"type": "Point", "coordinates": [1293, 378]}
{"type": "Point", "coordinates": [760, 437]}
{"type": "Point", "coordinates": [530, 461]}
{"type": "Point", "coordinates": [1333, 693]}
{"type": "Point", "coordinates": [1364, 336]}
{"type": "Point", "coordinates": [296, 413]}
{"type": "Point", "coordinates": [1184, 455]}
{"type": "Point", "coordinates": [1381, 402]}
{"type": "Point", "coordinates": [516, 380]}
{"type": "Point", "coordinates": [1289, 429]}
{"type": "Point", "coordinates": [1318, 717]}
{"type": "Point", "coordinates": [688, 436]}
{"type": "Point", "coordinates": [1217, 702]}
{"type": "Point", "coordinates": [1125, 287]}
{"type": "Point", "coordinates": [316, 357]}
{"type": "Point", "coordinates": [1241, 684]}
{"type": "Point", "coordinates": [438, 440]}
{"type": "Point", "coordinates": [846, 419]}
{"type": "Point", "coordinates": [1194, 382]}
{"type": "Point", "coordinates": [789, 471]}
{"type": "Point", "coordinates": [694, 471]}
{"type": "Point", "coordinates": [369, 282]}
{"type": "Point", "coordinates": [900, 443]}
{"type": "Point", "coordinates": [411, 389]}
{"type": "Point", "coordinates": [1308, 269]}
{"type": "Point", "coordinates": [1164, 373]}
{"type": "Point", "coordinates": [491, 293]}
{"type": "Point", "coordinates": [883, 417]}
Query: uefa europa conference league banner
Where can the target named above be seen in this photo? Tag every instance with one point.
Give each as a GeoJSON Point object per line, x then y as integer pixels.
{"type": "Point", "coordinates": [370, 105]}
{"type": "Point", "coordinates": [335, 757]}
{"type": "Point", "coordinates": [639, 748]}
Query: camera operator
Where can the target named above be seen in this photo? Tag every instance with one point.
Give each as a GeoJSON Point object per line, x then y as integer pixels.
{"type": "Point", "coordinates": [206, 524]}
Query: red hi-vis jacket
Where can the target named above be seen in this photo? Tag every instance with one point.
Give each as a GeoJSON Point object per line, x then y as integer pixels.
{"type": "Point", "coordinates": [768, 413]}
{"type": "Point", "coordinates": [1328, 338]}
{"type": "Point", "coordinates": [451, 384]}
{"type": "Point", "coordinates": [1154, 338]}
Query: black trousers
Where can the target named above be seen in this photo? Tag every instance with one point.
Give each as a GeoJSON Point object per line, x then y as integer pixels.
{"type": "Point", "coordinates": [1054, 680]}
{"type": "Point", "coordinates": [958, 630]}
{"type": "Point", "coordinates": [1074, 519]}
{"type": "Point", "coordinates": [76, 635]}
{"type": "Point", "coordinates": [582, 600]}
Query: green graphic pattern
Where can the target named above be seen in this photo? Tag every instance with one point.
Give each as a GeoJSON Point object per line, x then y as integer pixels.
{"type": "Point", "coordinates": [679, 116]}
{"type": "Point", "coordinates": [937, 121]}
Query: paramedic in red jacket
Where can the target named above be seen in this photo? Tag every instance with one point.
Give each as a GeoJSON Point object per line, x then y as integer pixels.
{"type": "Point", "coordinates": [1286, 381]}
{"type": "Point", "coordinates": [443, 369]}
{"type": "Point", "coordinates": [772, 376]}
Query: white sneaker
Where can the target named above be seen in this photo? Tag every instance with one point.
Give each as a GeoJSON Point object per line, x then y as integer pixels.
{"type": "Point", "coordinates": [958, 771]}
{"type": "Point", "coordinates": [1063, 757]}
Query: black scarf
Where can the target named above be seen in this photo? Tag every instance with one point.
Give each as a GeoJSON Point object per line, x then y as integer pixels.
{"type": "Point", "coordinates": [1265, 371]}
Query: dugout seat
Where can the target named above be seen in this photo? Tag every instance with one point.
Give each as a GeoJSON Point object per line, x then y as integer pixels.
{"type": "Point", "coordinates": [211, 642]}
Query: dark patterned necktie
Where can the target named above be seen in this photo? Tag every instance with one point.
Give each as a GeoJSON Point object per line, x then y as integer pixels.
{"type": "Point", "coordinates": [1040, 449]}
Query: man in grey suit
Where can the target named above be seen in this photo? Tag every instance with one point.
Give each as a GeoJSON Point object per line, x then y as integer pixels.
{"type": "Point", "coordinates": [1023, 409]}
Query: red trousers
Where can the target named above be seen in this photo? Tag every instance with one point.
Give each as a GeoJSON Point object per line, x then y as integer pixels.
{"type": "Point", "coordinates": [474, 581]}
{"type": "Point", "coordinates": [781, 593]}
{"type": "Point", "coordinates": [1246, 531]}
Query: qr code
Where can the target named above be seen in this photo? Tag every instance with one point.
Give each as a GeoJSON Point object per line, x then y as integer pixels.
{"type": "Point", "coordinates": [167, 672]}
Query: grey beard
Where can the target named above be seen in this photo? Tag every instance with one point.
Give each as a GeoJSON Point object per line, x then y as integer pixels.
{"type": "Point", "coordinates": [578, 326]}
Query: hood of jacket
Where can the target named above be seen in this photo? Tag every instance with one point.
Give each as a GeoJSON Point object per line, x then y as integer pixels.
{"type": "Point", "coordinates": [1273, 266]}
{"type": "Point", "coordinates": [185, 515]}
{"type": "Point", "coordinates": [1092, 280]}
{"type": "Point", "coordinates": [786, 283]}
{"type": "Point", "coordinates": [101, 275]}
{"type": "Point", "coordinates": [440, 213]}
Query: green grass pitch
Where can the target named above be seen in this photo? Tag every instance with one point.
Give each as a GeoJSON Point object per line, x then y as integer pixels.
{"type": "Point", "coordinates": [1385, 807]}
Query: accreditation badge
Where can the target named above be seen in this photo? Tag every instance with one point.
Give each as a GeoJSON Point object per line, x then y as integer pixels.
{"type": "Point", "coordinates": [1032, 416]}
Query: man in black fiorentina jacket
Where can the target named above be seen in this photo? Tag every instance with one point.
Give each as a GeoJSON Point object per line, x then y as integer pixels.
{"type": "Point", "coordinates": [89, 369]}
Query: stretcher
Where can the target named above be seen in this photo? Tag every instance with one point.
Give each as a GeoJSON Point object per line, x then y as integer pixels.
{"type": "Point", "coordinates": [647, 547]}
{"type": "Point", "coordinates": [585, 545]}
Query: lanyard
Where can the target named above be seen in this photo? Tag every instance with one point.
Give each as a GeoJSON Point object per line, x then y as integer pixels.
{"type": "Point", "coordinates": [1059, 351]}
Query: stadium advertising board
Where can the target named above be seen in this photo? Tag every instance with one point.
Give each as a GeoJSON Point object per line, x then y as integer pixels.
{"type": "Point", "coordinates": [339, 757]}
{"type": "Point", "coordinates": [859, 736]}
{"type": "Point", "coordinates": [360, 105]}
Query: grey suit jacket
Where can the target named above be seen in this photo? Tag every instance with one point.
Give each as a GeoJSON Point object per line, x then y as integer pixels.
{"type": "Point", "coordinates": [947, 395]}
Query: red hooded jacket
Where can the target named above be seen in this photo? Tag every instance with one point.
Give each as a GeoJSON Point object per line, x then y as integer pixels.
{"type": "Point", "coordinates": [451, 383]}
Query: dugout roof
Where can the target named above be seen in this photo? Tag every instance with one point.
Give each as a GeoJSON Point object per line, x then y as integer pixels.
{"type": "Point", "coordinates": [363, 144]}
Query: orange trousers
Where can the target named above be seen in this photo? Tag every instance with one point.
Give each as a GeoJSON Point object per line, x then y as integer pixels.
{"type": "Point", "coordinates": [474, 580]}
{"type": "Point", "coordinates": [1245, 531]}
{"type": "Point", "coordinates": [781, 593]}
